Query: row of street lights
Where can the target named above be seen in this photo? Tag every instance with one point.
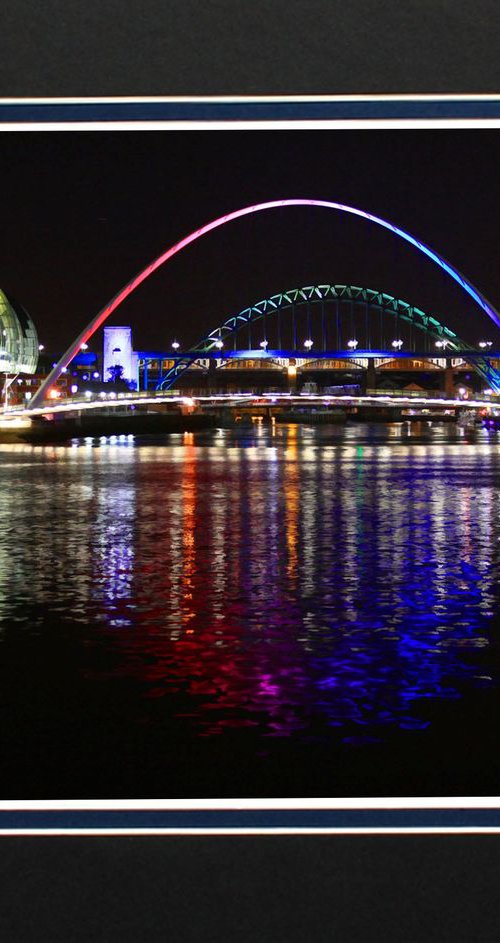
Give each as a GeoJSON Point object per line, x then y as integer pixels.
{"type": "Point", "coordinates": [308, 343]}
{"type": "Point", "coordinates": [397, 343]}
{"type": "Point", "coordinates": [219, 343]}
{"type": "Point", "coordinates": [82, 347]}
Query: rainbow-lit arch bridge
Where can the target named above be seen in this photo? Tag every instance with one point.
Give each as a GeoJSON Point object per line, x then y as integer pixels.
{"type": "Point", "coordinates": [169, 253]}
{"type": "Point", "coordinates": [370, 299]}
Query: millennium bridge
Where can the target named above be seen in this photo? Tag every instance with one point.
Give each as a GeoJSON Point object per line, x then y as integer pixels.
{"type": "Point", "coordinates": [330, 326]}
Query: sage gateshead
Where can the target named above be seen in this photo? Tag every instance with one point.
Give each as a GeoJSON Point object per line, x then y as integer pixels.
{"type": "Point", "coordinates": [18, 338]}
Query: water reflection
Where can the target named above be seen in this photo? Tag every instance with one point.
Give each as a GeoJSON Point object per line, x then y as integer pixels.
{"type": "Point", "coordinates": [276, 579]}
{"type": "Point", "coordinates": [112, 551]}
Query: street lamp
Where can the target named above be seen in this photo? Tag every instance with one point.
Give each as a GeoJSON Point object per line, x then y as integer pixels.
{"type": "Point", "coordinates": [484, 344]}
{"type": "Point", "coordinates": [397, 344]}
{"type": "Point", "coordinates": [441, 344]}
{"type": "Point", "coordinates": [352, 344]}
{"type": "Point", "coordinates": [308, 343]}
{"type": "Point", "coordinates": [175, 345]}
{"type": "Point", "coordinates": [219, 344]}
{"type": "Point", "coordinates": [84, 347]}
{"type": "Point", "coordinates": [264, 344]}
{"type": "Point", "coordinates": [41, 347]}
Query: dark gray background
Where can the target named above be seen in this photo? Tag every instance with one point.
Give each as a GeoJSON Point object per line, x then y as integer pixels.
{"type": "Point", "coordinates": [250, 47]}
{"type": "Point", "coordinates": [250, 890]}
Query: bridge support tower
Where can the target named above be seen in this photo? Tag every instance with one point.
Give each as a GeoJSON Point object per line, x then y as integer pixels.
{"type": "Point", "coordinates": [371, 375]}
{"type": "Point", "coordinates": [449, 382]}
{"type": "Point", "coordinates": [292, 375]}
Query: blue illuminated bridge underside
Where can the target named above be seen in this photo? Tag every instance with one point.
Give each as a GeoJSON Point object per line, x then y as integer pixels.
{"type": "Point", "coordinates": [211, 346]}
{"type": "Point", "coordinates": [360, 353]}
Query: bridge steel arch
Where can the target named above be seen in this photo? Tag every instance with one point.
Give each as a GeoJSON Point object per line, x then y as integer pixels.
{"type": "Point", "coordinates": [134, 283]}
{"type": "Point", "coordinates": [312, 294]}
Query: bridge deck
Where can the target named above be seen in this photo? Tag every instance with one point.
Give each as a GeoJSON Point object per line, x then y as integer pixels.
{"type": "Point", "coordinates": [114, 401]}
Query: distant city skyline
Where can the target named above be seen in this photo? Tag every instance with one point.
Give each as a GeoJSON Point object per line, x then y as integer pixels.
{"type": "Point", "coordinates": [86, 211]}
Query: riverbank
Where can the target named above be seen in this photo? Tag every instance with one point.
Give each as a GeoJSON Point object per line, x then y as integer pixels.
{"type": "Point", "coordinates": [43, 432]}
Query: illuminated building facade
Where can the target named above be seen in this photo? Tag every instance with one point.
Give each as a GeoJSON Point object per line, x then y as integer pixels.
{"type": "Point", "coordinates": [18, 338]}
{"type": "Point", "coordinates": [117, 352]}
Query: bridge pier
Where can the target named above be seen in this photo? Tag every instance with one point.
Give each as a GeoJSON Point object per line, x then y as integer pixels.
{"type": "Point", "coordinates": [371, 375]}
{"type": "Point", "coordinates": [449, 381]}
{"type": "Point", "coordinates": [292, 375]}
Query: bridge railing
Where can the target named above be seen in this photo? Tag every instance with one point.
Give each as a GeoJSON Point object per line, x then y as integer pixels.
{"type": "Point", "coordinates": [123, 398]}
{"type": "Point", "coordinates": [432, 394]}
{"type": "Point", "coordinates": [197, 392]}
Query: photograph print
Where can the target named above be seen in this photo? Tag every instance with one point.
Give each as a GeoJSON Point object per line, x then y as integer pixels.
{"type": "Point", "coordinates": [249, 464]}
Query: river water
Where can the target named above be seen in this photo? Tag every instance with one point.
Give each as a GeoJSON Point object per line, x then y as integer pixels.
{"type": "Point", "coordinates": [265, 611]}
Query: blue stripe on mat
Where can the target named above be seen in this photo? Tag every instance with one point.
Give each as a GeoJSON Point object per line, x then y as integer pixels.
{"type": "Point", "coordinates": [32, 111]}
{"type": "Point", "coordinates": [255, 819]}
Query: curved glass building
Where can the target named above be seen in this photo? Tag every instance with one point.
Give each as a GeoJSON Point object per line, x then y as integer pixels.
{"type": "Point", "coordinates": [18, 338]}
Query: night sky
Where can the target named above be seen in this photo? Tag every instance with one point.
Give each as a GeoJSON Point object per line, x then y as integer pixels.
{"type": "Point", "coordinates": [82, 212]}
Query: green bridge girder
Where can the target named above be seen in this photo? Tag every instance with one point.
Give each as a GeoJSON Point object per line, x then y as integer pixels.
{"type": "Point", "coordinates": [313, 294]}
